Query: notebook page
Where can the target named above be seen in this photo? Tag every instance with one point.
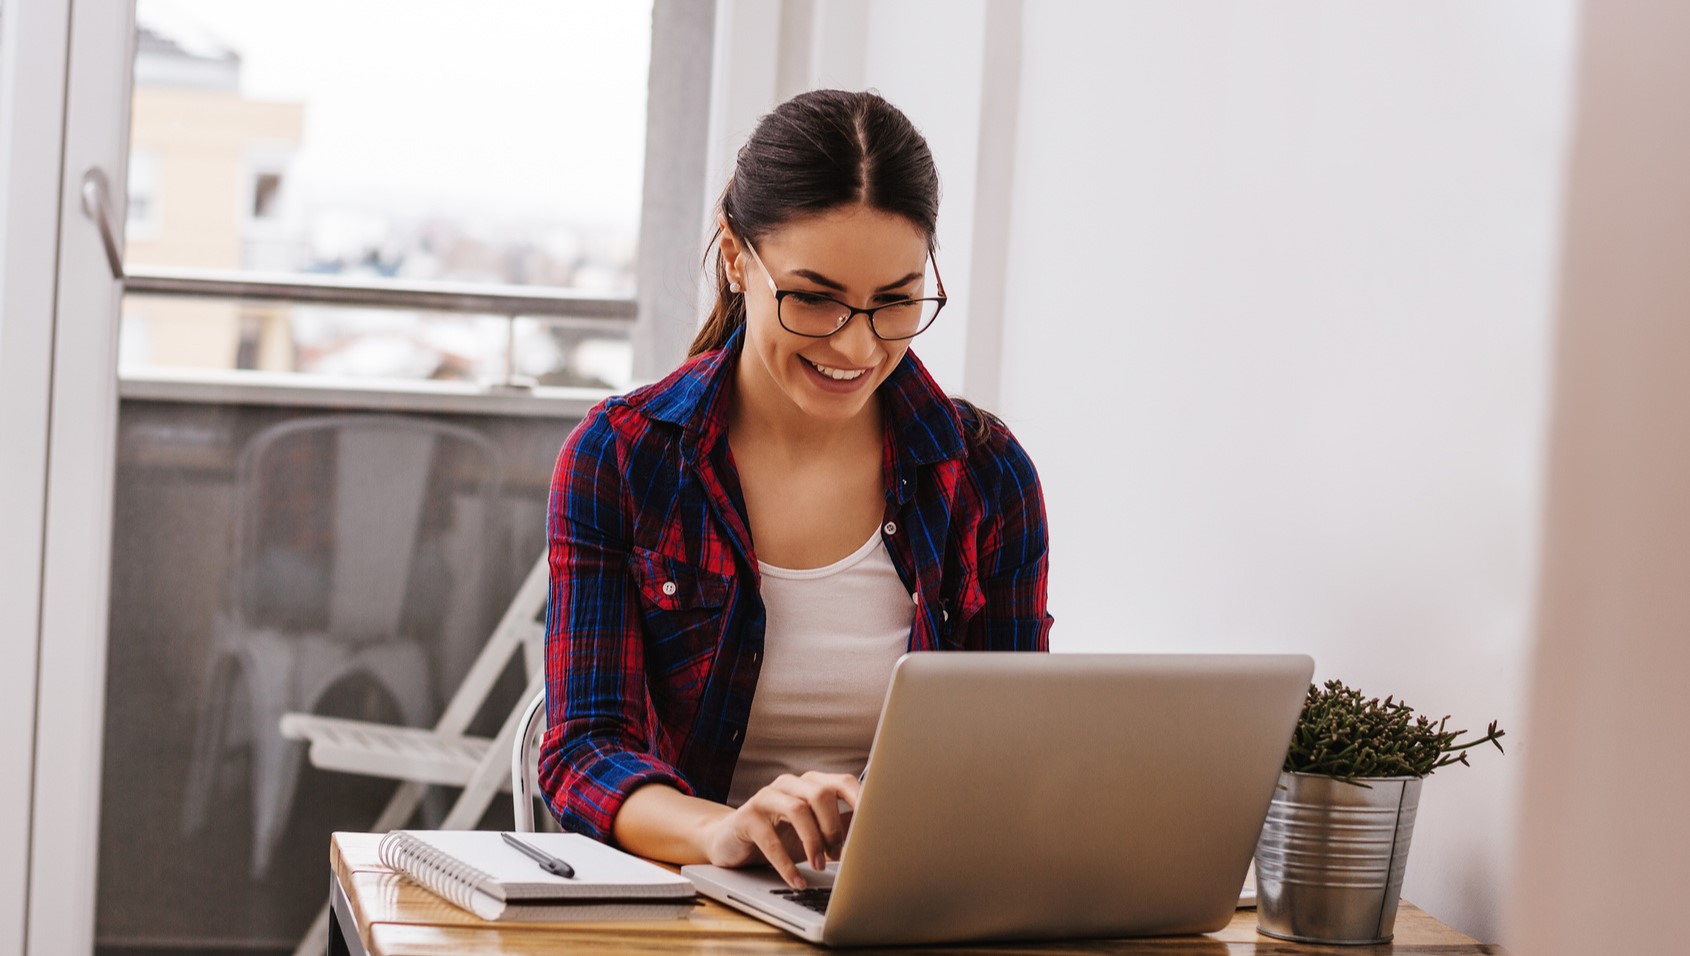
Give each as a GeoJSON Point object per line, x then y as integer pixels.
{"type": "Point", "coordinates": [601, 872]}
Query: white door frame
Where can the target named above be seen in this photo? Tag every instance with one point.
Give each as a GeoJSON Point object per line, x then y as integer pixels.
{"type": "Point", "coordinates": [32, 58]}
{"type": "Point", "coordinates": [64, 93]}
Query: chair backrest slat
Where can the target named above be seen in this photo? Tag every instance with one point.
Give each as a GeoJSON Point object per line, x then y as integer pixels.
{"type": "Point", "coordinates": [380, 477]}
{"type": "Point", "coordinates": [525, 756]}
{"type": "Point", "coordinates": [515, 630]}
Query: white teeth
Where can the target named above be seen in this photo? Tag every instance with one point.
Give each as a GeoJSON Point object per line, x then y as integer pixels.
{"type": "Point", "coordinates": [838, 375]}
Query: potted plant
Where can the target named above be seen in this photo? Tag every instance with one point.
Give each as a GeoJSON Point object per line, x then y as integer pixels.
{"type": "Point", "coordinates": [1330, 860]}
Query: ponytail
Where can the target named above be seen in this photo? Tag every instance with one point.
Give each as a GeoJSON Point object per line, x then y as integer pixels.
{"type": "Point", "coordinates": [726, 316]}
{"type": "Point", "coordinates": [979, 430]}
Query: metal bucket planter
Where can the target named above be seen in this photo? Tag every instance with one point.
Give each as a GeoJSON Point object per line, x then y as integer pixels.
{"type": "Point", "coordinates": [1331, 856]}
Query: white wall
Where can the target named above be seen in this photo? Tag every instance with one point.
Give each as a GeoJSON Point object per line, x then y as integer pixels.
{"type": "Point", "coordinates": [1277, 333]}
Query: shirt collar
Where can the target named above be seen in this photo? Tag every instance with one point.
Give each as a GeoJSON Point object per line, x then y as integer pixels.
{"type": "Point", "coordinates": [694, 396]}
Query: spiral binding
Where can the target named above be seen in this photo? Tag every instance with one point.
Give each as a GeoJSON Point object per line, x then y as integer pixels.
{"type": "Point", "coordinates": [441, 873]}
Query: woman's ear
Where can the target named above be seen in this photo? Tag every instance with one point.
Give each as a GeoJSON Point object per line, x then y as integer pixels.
{"type": "Point", "coordinates": [732, 252]}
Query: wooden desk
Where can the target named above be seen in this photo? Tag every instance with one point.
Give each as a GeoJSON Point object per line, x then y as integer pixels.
{"type": "Point", "coordinates": [379, 913]}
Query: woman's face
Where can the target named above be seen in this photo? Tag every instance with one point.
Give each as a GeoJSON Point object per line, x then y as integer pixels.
{"type": "Point", "coordinates": [857, 255]}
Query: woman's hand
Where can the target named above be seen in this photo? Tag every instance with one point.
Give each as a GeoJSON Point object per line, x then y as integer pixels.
{"type": "Point", "coordinates": [792, 818]}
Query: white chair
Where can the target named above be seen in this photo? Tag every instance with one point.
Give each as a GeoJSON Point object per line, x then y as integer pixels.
{"type": "Point", "coordinates": [343, 523]}
{"type": "Point", "coordinates": [444, 754]}
{"type": "Point", "coordinates": [525, 763]}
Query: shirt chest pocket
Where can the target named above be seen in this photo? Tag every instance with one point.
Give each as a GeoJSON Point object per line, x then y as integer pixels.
{"type": "Point", "coordinates": [951, 615]}
{"type": "Point", "coordinates": [681, 610]}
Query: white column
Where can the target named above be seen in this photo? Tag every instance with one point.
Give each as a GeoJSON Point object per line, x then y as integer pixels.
{"type": "Point", "coordinates": [1602, 828]}
{"type": "Point", "coordinates": [674, 196]}
{"type": "Point", "coordinates": [999, 110]}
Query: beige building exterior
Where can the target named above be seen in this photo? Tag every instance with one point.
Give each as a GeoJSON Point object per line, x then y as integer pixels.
{"type": "Point", "coordinates": [208, 182]}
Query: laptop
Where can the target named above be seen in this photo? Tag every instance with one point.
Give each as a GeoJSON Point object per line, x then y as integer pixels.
{"type": "Point", "coordinates": [1014, 796]}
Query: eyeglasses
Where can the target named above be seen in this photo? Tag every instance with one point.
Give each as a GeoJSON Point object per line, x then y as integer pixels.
{"type": "Point", "coordinates": [817, 316]}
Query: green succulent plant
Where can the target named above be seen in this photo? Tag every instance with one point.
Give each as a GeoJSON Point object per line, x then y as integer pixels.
{"type": "Point", "coordinates": [1345, 735]}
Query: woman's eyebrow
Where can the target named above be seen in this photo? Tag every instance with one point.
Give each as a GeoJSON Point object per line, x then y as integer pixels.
{"type": "Point", "coordinates": [822, 280]}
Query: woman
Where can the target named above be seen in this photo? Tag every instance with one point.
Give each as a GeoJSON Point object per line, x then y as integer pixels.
{"type": "Point", "coordinates": [711, 701]}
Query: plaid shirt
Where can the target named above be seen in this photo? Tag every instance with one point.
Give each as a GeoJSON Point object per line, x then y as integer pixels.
{"type": "Point", "coordinates": [654, 622]}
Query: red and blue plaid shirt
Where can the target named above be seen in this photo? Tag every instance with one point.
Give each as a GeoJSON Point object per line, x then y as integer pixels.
{"type": "Point", "coordinates": [654, 623]}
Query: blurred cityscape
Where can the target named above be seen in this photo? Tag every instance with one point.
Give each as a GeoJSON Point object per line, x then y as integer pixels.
{"type": "Point", "coordinates": [213, 185]}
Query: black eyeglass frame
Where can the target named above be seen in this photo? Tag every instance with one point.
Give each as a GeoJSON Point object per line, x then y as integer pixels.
{"type": "Point", "coordinates": [851, 310]}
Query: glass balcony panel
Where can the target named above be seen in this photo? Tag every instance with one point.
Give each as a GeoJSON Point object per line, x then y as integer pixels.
{"type": "Point", "coordinates": [216, 574]}
{"type": "Point", "coordinates": [322, 344]}
{"type": "Point", "coordinates": [381, 138]}
{"type": "Point", "coordinates": [574, 354]}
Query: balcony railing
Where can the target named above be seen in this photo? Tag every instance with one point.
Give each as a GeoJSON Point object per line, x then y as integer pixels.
{"type": "Point", "coordinates": [511, 394]}
{"type": "Point", "coordinates": [511, 302]}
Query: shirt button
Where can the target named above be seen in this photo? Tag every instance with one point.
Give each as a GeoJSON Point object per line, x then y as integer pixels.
{"type": "Point", "coordinates": [669, 588]}
{"type": "Point", "coordinates": [891, 527]}
{"type": "Point", "coordinates": [735, 735]}
{"type": "Point", "coordinates": [756, 657]}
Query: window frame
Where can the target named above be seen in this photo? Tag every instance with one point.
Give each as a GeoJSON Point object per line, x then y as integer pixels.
{"type": "Point", "coordinates": [265, 158]}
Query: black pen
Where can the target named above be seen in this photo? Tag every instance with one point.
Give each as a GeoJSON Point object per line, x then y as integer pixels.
{"type": "Point", "coordinates": [549, 863]}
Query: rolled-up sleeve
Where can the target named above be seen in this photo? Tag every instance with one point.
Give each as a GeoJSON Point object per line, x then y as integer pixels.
{"type": "Point", "coordinates": [598, 746]}
{"type": "Point", "coordinates": [1015, 555]}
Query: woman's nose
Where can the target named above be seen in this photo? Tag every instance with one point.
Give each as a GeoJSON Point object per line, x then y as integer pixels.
{"type": "Point", "coordinates": [856, 341]}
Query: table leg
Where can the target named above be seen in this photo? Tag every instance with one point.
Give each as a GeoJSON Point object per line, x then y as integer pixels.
{"type": "Point", "coordinates": [343, 929]}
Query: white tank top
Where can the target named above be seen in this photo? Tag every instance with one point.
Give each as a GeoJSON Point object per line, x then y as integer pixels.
{"type": "Point", "coordinates": [831, 639]}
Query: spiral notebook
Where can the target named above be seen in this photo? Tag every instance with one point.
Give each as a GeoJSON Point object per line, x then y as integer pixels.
{"type": "Point", "coordinates": [477, 871]}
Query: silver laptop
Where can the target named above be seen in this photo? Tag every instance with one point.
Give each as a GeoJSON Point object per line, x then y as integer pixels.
{"type": "Point", "coordinates": [1047, 796]}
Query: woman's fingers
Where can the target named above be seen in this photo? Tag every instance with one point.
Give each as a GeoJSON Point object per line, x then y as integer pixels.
{"type": "Point", "coordinates": [850, 788]}
{"type": "Point", "coordinates": [789, 839]}
{"type": "Point", "coordinates": [762, 832]}
{"type": "Point", "coordinates": [795, 819]}
{"type": "Point", "coordinates": [790, 800]}
{"type": "Point", "coordinates": [830, 790]}
{"type": "Point", "coordinates": [800, 814]}
{"type": "Point", "coordinates": [823, 797]}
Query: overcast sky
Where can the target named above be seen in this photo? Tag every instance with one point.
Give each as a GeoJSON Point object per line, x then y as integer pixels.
{"type": "Point", "coordinates": [514, 106]}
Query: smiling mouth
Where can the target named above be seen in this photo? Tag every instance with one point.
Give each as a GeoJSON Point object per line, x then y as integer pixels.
{"type": "Point", "coordinates": [837, 374]}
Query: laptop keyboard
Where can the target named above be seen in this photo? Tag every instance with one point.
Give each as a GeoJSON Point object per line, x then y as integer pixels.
{"type": "Point", "coordinates": [812, 898]}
